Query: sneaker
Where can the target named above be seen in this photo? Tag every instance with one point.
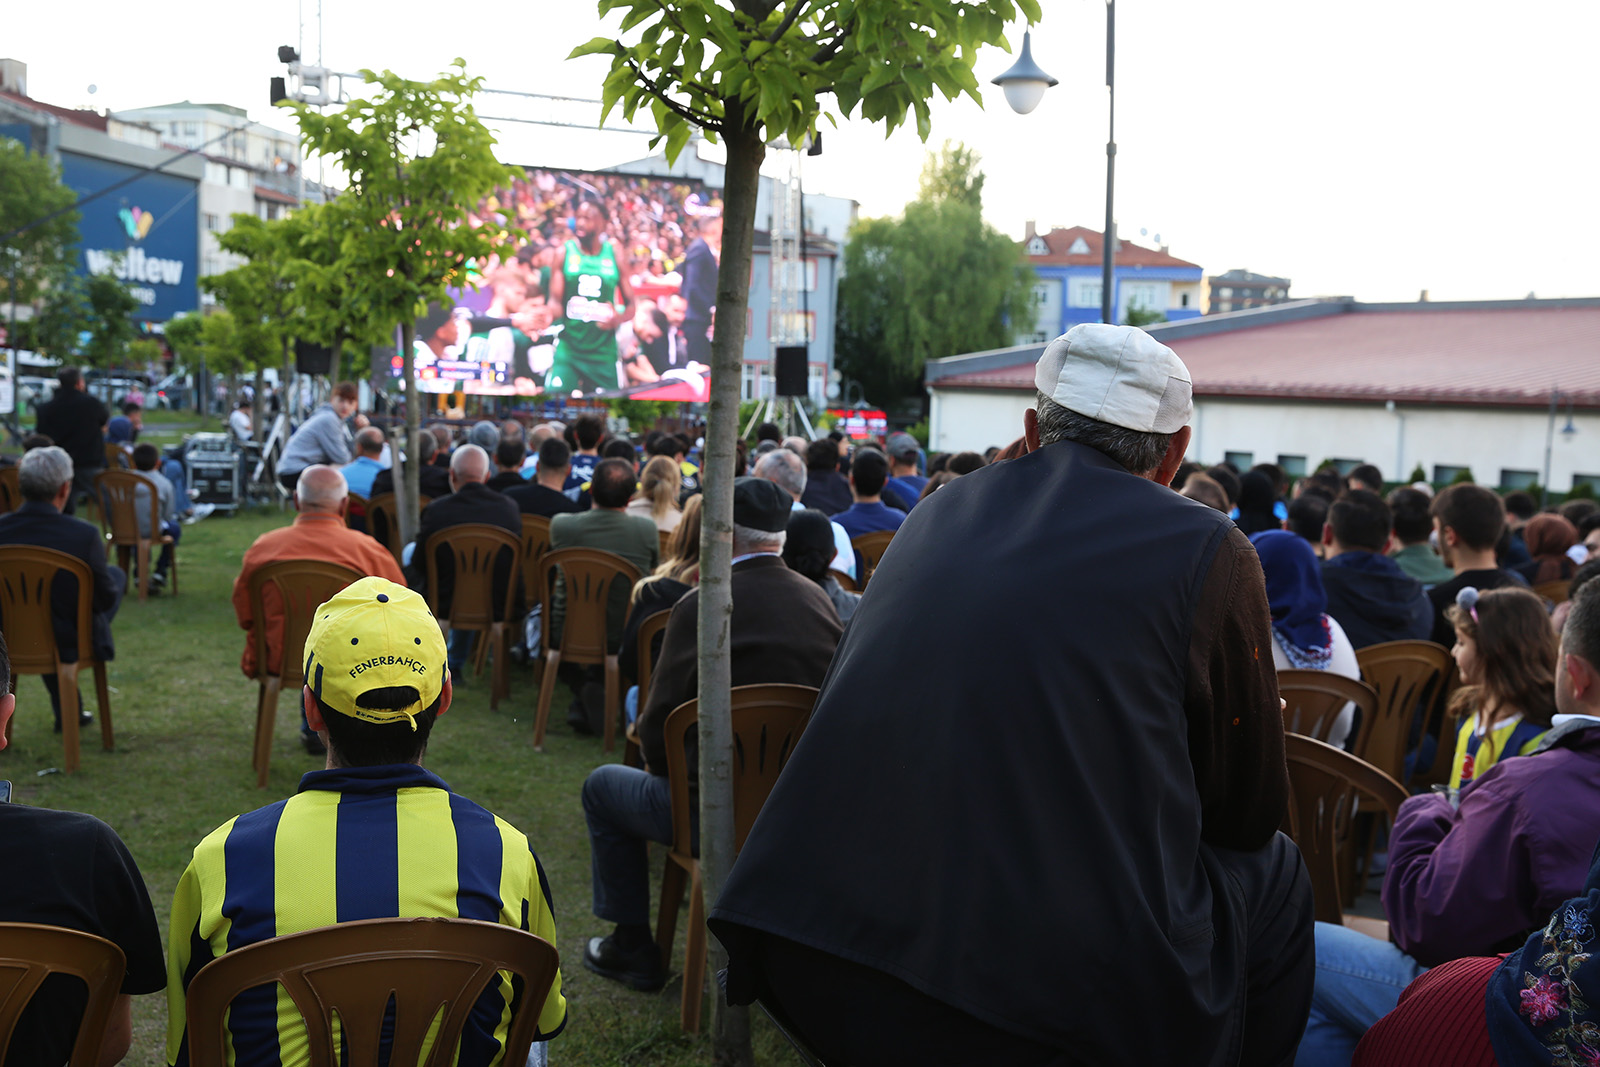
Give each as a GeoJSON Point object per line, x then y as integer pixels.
{"type": "Point", "coordinates": [198, 512]}
{"type": "Point", "coordinates": [640, 969]}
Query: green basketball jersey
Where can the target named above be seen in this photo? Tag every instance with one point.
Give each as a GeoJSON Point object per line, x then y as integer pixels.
{"type": "Point", "coordinates": [591, 287]}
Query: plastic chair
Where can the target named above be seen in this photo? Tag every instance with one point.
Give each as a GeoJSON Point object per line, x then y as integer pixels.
{"type": "Point", "coordinates": [27, 575]}
{"type": "Point", "coordinates": [1315, 698]}
{"type": "Point", "coordinates": [589, 574]}
{"type": "Point", "coordinates": [1556, 592]}
{"type": "Point", "coordinates": [535, 543]}
{"type": "Point", "coordinates": [383, 521]}
{"type": "Point", "coordinates": [1405, 675]}
{"type": "Point", "coordinates": [118, 493]}
{"type": "Point", "coordinates": [476, 548]}
{"type": "Point", "coordinates": [1326, 788]}
{"type": "Point", "coordinates": [650, 628]}
{"type": "Point", "coordinates": [665, 538]}
{"type": "Point", "coordinates": [302, 586]}
{"type": "Point", "coordinates": [29, 954]}
{"type": "Point", "coordinates": [847, 583]}
{"type": "Point", "coordinates": [767, 723]}
{"type": "Point", "coordinates": [116, 457]}
{"type": "Point", "coordinates": [355, 508]}
{"type": "Point", "coordinates": [10, 490]}
{"type": "Point", "coordinates": [432, 968]}
{"type": "Point", "coordinates": [871, 547]}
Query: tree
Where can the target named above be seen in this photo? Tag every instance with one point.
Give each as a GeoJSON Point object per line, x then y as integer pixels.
{"type": "Point", "coordinates": [937, 281]}
{"type": "Point", "coordinates": [1143, 316]}
{"type": "Point", "coordinates": [418, 160]}
{"type": "Point", "coordinates": [261, 292]}
{"type": "Point", "coordinates": [33, 255]}
{"type": "Point", "coordinates": [111, 307]}
{"type": "Point", "coordinates": [748, 72]}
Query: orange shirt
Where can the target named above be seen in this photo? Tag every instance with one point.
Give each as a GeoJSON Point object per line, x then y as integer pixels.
{"type": "Point", "coordinates": [311, 536]}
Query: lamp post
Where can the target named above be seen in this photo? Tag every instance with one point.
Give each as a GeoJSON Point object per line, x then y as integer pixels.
{"type": "Point", "coordinates": [1024, 86]}
{"type": "Point", "coordinates": [1567, 433]}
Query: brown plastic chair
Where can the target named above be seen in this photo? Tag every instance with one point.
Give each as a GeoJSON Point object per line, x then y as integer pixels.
{"type": "Point", "coordinates": [355, 508]}
{"type": "Point", "coordinates": [117, 492]}
{"type": "Point", "coordinates": [433, 968]}
{"type": "Point", "coordinates": [26, 576]}
{"type": "Point", "coordinates": [116, 457]}
{"type": "Point", "coordinates": [383, 522]}
{"type": "Point", "coordinates": [767, 723]}
{"type": "Point", "coordinates": [589, 574]}
{"type": "Point", "coordinates": [1314, 700]}
{"type": "Point", "coordinates": [475, 548]}
{"type": "Point", "coordinates": [302, 586]}
{"type": "Point", "coordinates": [644, 645]}
{"type": "Point", "coordinates": [1406, 675]}
{"type": "Point", "coordinates": [847, 583]}
{"type": "Point", "coordinates": [1327, 788]}
{"type": "Point", "coordinates": [29, 954]}
{"type": "Point", "coordinates": [535, 543]}
{"type": "Point", "coordinates": [1556, 592]}
{"type": "Point", "coordinates": [872, 546]}
{"type": "Point", "coordinates": [10, 490]}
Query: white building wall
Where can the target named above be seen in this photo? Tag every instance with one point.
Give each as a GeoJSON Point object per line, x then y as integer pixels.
{"type": "Point", "coordinates": [970, 420]}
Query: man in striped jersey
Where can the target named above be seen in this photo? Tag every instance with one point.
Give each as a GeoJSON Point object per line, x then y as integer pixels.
{"type": "Point", "coordinates": [374, 835]}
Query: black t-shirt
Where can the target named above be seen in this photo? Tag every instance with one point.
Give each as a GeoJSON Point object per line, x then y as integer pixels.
{"type": "Point", "coordinates": [70, 869]}
{"type": "Point", "coordinates": [534, 499]}
{"type": "Point", "coordinates": [1444, 594]}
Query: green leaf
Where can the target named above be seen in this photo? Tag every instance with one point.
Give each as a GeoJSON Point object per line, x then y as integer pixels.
{"type": "Point", "coordinates": [596, 46]}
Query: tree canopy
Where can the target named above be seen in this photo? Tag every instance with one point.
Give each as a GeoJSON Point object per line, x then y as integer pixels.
{"type": "Point", "coordinates": [936, 281]}
{"type": "Point", "coordinates": [30, 188]}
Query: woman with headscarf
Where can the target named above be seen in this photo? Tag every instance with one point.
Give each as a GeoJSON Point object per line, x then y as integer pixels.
{"type": "Point", "coordinates": [1257, 504]}
{"type": "Point", "coordinates": [808, 549]}
{"type": "Point", "coordinates": [1548, 538]}
{"type": "Point", "coordinates": [1305, 636]}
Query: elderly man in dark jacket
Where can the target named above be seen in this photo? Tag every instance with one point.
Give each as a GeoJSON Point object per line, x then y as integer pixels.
{"type": "Point", "coordinates": [1061, 845]}
{"type": "Point", "coordinates": [784, 630]}
{"type": "Point", "coordinates": [1474, 879]}
{"type": "Point", "coordinates": [1371, 598]}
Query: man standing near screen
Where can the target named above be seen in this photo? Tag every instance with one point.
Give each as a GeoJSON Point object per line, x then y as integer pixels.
{"type": "Point", "coordinates": [700, 263]}
{"type": "Point", "coordinates": [585, 288]}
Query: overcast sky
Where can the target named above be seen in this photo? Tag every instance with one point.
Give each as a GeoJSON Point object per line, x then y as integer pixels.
{"type": "Point", "coordinates": [1366, 147]}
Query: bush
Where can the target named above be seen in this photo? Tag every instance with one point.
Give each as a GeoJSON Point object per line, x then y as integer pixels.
{"type": "Point", "coordinates": [1463, 477]}
{"type": "Point", "coordinates": [1582, 491]}
{"type": "Point", "coordinates": [1418, 474]}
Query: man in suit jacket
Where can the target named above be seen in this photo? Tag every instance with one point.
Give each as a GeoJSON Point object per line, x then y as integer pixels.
{"type": "Point", "coordinates": [76, 421]}
{"type": "Point", "coordinates": [46, 480]}
{"type": "Point", "coordinates": [470, 501]}
{"type": "Point", "coordinates": [784, 630]}
{"type": "Point", "coordinates": [435, 479]}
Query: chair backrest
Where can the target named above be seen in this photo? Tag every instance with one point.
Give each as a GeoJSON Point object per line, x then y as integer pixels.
{"type": "Point", "coordinates": [847, 583]}
{"type": "Point", "coordinates": [665, 538]}
{"type": "Point", "coordinates": [589, 575]}
{"type": "Point", "coordinates": [872, 547]}
{"type": "Point", "coordinates": [1556, 592]}
{"type": "Point", "coordinates": [355, 508]}
{"type": "Point", "coordinates": [29, 954]}
{"type": "Point", "coordinates": [649, 627]}
{"type": "Point", "coordinates": [301, 587]}
{"type": "Point", "coordinates": [26, 576]}
{"type": "Point", "coordinates": [1327, 787]}
{"type": "Point", "coordinates": [1314, 699]}
{"type": "Point", "coordinates": [10, 489]}
{"type": "Point", "coordinates": [119, 505]}
{"type": "Point", "coordinates": [475, 547]}
{"type": "Point", "coordinates": [535, 543]}
{"type": "Point", "coordinates": [116, 456]}
{"type": "Point", "coordinates": [767, 723]}
{"type": "Point", "coordinates": [383, 523]}
{"type": "Point", "coordinates": [431, 967]}
{"type": "Point", "coordinates": [1405, 674]}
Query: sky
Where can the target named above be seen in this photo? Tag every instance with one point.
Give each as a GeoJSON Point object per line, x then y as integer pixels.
{"type": "Point", "coordinates": [1371, 148]}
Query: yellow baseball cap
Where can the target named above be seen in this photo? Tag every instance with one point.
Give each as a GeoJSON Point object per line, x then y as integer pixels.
{"type": "Point", "coordinates": [375, 634]}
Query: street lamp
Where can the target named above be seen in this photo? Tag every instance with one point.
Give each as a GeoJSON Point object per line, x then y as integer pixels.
{"type": "Point", "coordinates": [1024, 86]}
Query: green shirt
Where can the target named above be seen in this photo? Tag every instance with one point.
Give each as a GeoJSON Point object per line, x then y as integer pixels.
{"type": "Point", "coordinates": [1422, 563]}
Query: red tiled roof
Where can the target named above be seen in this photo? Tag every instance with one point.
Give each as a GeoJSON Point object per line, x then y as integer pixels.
{"type": "Point", "coordinates": [92, 119]}
{"type": "Point", "coordinates": [1495, 357]}
{"type": "Point", "coordinates": [264, 193]}
{"type": "Point", "coordinates": [1127, 254]}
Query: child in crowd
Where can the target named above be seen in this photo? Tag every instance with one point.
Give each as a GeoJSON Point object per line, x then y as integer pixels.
{"type": "Point", "coordinates": [1506, 653]}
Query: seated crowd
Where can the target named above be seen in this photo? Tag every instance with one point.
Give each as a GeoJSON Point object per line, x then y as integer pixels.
{"type": "Point", "coordinates": [888, 910]}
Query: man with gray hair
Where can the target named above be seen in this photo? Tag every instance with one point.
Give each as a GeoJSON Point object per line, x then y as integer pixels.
{"type": "Point", "coordinates": [784, 630]}
{"type": "Point", "coordinates": [1084, 802]}
{"type": "Point", "coordinates": [788, 472]}
{"type": "Point", "coordinates": [45, 476]}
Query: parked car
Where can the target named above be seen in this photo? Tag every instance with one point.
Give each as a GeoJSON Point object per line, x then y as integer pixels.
{"type": "Point", "coordinates": [175, 392]}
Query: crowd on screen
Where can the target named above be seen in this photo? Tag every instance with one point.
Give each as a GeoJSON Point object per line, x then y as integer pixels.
{"type": "Point", "coordinates": [983, 848]}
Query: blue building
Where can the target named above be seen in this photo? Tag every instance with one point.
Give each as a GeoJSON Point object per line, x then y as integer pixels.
{"type": "Point", "coordinates": [1069, 269]}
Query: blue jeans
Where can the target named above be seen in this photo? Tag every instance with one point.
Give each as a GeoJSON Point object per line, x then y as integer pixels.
{"type": "Point", "coordinates": [174, 473]}
{"type": "Point", "coordinates": [1359, 981]}
{"type": "Point", "coordinates": [626, 807]}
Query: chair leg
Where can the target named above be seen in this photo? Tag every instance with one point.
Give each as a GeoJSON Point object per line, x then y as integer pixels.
{"type": "Point", "coordinates": [480, 655]}
{"type": "Point", "coordinates": [144, 568]}
{"type": "Point", "coordinates": [673, 877]}
{"type": "Point", "coordinates": [102, 699]}
{"type": "Point", "coordinates": [547, 687]}
{"type": "Point", "coordinates": [266, 722]}
{"type": "Point", "coordinates": [613, 701]}
{"type": "Point", "coordinates": [694, 957]}
{"type": "Point", "coordinates": [67, 682]}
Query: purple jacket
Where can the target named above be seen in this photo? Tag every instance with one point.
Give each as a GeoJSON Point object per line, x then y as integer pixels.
{"type": "Point", "coordinates": [1461, 883]}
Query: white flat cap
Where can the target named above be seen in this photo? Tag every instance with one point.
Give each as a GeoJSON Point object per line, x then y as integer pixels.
{"type": "Point", "coordinates": [1119, 375]}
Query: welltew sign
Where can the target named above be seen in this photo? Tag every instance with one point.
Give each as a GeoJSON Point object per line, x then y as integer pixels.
{"type": "Point", "coordinates": [146, 233]}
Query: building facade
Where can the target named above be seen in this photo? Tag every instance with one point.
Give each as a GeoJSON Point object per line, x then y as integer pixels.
{"type": "Point", "coordinates": [1069, 270]}
{"type": "Point", "coordinates": [1240, 290]}
{"type": "Point", "coordinates": [1479, 386]}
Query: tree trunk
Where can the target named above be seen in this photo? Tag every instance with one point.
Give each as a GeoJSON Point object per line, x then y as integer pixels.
{"type": "Point", "coordinates": [411, 470]}
{"type": "Point", "coordinates": [338, 358]}
{"type": "Point", "coordinates": [730, 1026]}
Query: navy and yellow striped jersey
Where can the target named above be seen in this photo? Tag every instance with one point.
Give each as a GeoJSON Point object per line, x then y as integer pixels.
{"type": "Point", "coordinates": [354, 843]}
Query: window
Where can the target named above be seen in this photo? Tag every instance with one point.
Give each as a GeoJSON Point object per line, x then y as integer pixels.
{"type": "Point", "coordinates": [1293, 466]}
{"type": "Point", "coordinates": [1085, 293]}
{"type": "Point", "coordinates": [1039, 337]}
{"type": "Point", "coordinates": [752, 381]}
{"type": "Point", "coordinates": [1243, 460]}
{"type": "Point", "coordinates": [817, 384]}
{"type": "Point", "coordinates": [1041, 295]}
{"type": "Point", "coordinates": [191, 129]}
{"type": "Point", "coordinates": [1037, 247]}
{"type": "Point", "coordinates": [211, 222]}
{"type": "Point", "coordinates": [1592, 481]}
{"type": "Point", "coordinates": [1150, 296]}
{"type": "Point", "coordinates": [1080, 247]}
{"type": "Point", "coordinates": [1443, 474]}
{"type": "Point", "coordinates": [1345, 466]}
{"type": "Point", "coordinates": [1183, 300]}
{"type": "Point", "coordinates": [1517, 479]}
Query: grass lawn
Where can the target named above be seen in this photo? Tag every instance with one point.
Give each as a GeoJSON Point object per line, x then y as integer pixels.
{"type": "Point", "coordinates": [184, 715]}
